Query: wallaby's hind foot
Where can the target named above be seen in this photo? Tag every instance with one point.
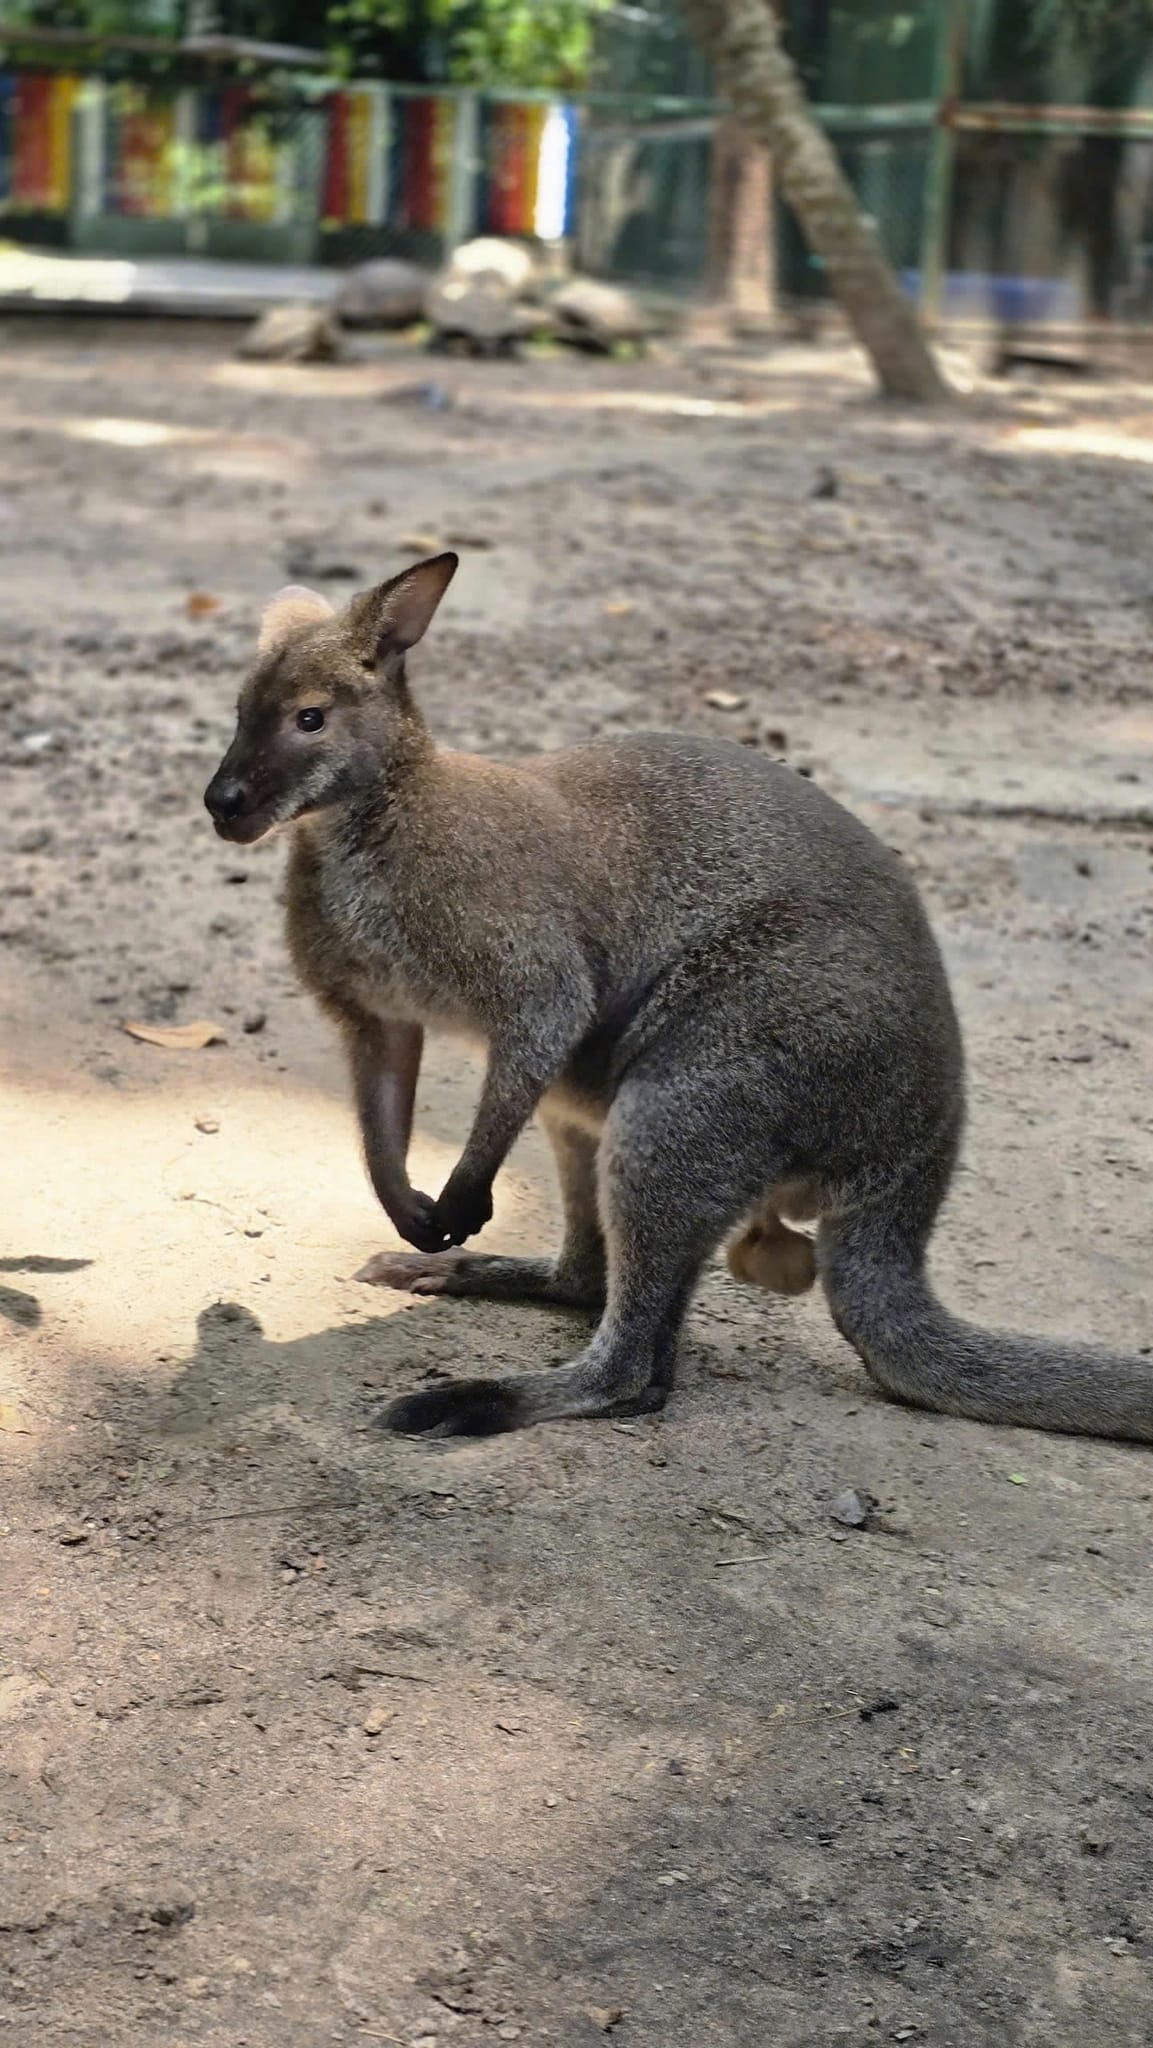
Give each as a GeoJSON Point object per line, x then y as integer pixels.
{"type": "Point", "coordinates": [767, 1253]}
{"type": "Point", "coordinates": [491, 1407]}
{"type": "Point", "coordinates": [490, 1278]}
{"type": "Point", "coordinates": [457, 1408]}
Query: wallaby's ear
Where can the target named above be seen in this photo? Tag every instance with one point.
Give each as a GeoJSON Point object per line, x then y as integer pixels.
{"type": "Point", "coordinates": [398, 614]}
{"type": "Point", "coordinates": [288, 613]}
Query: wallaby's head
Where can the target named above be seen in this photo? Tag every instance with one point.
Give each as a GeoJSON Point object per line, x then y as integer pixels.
{"type": "Point", "coordinates": [325, 709]}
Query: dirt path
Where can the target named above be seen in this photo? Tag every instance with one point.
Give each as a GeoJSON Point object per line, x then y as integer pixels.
{"type": "Point", "coordinates": [310, 1736]}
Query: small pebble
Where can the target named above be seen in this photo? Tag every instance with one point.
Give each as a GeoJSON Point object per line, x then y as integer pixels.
{"type": "Point", "coordinates": [376, 1722]}
{"type": "Point", "coordinates": [175, 1906]}
{"type": "Point", "coordinates": [849, 1509]}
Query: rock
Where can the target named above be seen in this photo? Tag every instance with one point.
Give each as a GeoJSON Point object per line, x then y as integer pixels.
{"type": "Point", "coordinates": [828, 483]}
{"type": "Point", "coordinates": [174, 1907]}
{"type": "Point", "coordinates": [432, 396]}
{"type": "Point", "coordinates": [385, 293]}
{"type": "Point", "coordinates": [310, 560]}
{"type": "Point", "coordinates": [884, 1705]}
{"type": "Point", "coordinates": [292, 334]}
{"type": "Point", "coordinates": [850, 1509]}
{"type": "Point", "coordinates": [482, 316]}
{"type": "Point", "coordinates": [511, 264]}
{"type": "Point", "coordinates": [597, 316]}
{"type": "Point", "coordinates": [377, 1721]}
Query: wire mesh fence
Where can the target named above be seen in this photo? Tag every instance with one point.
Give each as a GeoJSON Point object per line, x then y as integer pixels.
{"type": "Point", "coordinates": [1051, 228]}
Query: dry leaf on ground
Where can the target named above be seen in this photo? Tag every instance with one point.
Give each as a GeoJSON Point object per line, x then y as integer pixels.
{"type": "Point", "coordinates": [191, 1037]}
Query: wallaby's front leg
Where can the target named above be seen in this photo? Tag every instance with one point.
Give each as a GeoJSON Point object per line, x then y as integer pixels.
{"type": "Point", "coordinates": [574, 1279]}
{"type": "Point", "coordinates": [385, 1061]}
{"type": "Point", "coordinates": [517, 1075]}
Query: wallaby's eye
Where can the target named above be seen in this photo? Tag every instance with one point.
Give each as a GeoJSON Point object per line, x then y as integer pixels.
{"type": "Point", "coordinates": [310, 720]}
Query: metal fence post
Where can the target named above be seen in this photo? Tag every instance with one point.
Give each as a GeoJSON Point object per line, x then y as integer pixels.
{"type": "Point", "coordinates": [462, 187]}
{"type": "Point", "coordinates": [184, 182]}
{"type": "Point", "coordinates": [379, 141]}
{"type": "Point", "coordinates": [88, 164]}
{"type": "Point", "coordinates": [948, 69]}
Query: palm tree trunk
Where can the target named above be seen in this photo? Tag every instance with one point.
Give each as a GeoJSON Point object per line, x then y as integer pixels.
{"type": "Point", "coordinates": [752, 281]}
{"type": "Point", "coordinates": [760, 81]}
{"type": "Point", "coordinates": [739, 283]}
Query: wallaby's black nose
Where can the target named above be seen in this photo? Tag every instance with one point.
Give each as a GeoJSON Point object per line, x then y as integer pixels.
{"type": "Point", "coordinates": [225, 797]}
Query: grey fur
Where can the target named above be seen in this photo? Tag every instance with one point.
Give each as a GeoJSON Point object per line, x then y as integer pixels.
{"type": "Point", "coordinates": [715, 985]}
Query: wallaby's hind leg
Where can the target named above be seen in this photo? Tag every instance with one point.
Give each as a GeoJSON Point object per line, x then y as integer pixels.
{"type": "Point", "coordinates": [656, 1248]}
{"type": "Point", "coordinates": [574, 1279]}
{"type": "Point", "coordinates": [580, 1271]}
{"type": "Point", "coordinates": [767, 1253]}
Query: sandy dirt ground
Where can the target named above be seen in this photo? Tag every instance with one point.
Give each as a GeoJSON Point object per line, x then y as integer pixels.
{"type": "Point", "coordinates": [309, 1735]}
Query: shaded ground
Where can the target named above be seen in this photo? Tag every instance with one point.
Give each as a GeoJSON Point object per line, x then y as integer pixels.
{"type": "Point", "coordinates": [310, 1736]}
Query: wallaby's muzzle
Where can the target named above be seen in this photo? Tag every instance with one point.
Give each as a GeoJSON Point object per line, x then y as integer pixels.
{"type": "Point", "coordinates": [240, 807]}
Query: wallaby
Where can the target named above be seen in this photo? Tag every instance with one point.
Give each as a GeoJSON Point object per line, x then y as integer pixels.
{"type": "Point", "coordinates": [715, 986]}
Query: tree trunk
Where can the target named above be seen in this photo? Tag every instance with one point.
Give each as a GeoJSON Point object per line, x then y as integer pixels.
{"type": "Point", "coordinates": [739, 284]}
{"type": "Point", "coordinates": [760, 81]}
{"type": "Point", "coordinates": [751, 287]}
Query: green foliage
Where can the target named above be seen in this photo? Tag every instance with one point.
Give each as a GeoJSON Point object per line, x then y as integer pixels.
{"type": "Point", "coordinates": [538, 43]}
{"type": "Point", "coordinates": [99, 17]}
{"type": "Point", "coordinates": [532, 43]}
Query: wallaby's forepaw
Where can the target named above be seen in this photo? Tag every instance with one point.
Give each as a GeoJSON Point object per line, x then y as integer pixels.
{"type": "Point", "coordinates": [463, 1209]}
{"type": "Point", "coordinates": [419, 1222]}
{"type": "Point", "coordinates": [415, 1272]}
{"type": "Point", "coordinates": [458, 1408]}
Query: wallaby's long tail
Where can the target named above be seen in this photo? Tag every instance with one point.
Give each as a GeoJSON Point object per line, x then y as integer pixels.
{"type": "Point", "coordinates": [883, 1304]}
